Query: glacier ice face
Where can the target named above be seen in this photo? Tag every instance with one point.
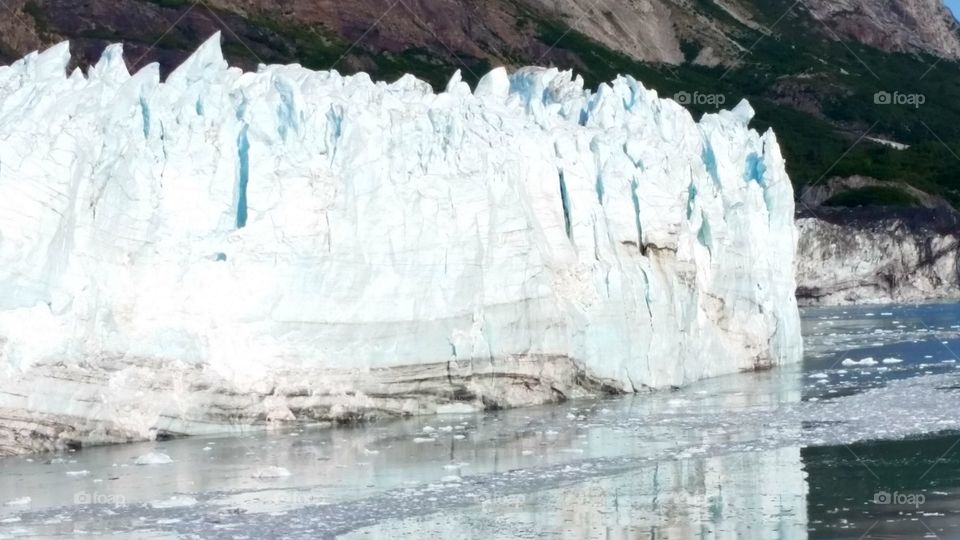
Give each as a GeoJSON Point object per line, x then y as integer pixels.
{"type": "Point", "coordinates": [226, 248]}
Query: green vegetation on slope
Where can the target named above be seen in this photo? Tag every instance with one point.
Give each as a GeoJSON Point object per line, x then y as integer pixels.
{"type": "Point", "coordinates": [860, 91]}
{"type": "Point", "coordinates": [873, 196]}
{"type": "Point", "coordinates": [819, 95]}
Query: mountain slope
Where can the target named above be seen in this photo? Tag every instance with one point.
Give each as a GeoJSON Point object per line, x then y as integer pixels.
{"type": "Point", "coordinates": [903, 25]}
{"type": "Point", "coordinates": [812, 68]}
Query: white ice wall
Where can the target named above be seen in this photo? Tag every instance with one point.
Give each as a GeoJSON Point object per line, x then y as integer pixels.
{"type": "Point", "coordinates": [383, 225]}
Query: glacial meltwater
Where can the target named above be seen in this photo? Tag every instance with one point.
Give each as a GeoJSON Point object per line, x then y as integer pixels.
{"type": "Point", "coordinates": [861, 440]}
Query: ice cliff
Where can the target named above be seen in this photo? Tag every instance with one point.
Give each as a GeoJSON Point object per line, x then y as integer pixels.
{"type": "Point", "coordinates": [227, 249]}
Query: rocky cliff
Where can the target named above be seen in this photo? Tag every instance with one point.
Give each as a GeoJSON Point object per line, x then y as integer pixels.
{"type": "Point", "coordinates": [872, 256]}
{"type": "Point", "coordinates": [897, 25]}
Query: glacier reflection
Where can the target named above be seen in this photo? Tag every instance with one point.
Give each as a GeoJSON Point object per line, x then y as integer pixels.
{"type": "Point", "coordinates": [755, 455]}
{"type": "Point", "coordinates": [760, 495]}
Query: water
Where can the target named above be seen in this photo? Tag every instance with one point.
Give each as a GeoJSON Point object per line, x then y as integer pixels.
{"type": "Point", "coordinates": [822, 449]}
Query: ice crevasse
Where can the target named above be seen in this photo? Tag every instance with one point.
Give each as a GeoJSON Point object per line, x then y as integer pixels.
{"type": "Point", "coordinates": [224, 249]}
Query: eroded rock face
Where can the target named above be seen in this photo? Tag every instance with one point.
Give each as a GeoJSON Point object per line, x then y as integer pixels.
{"type": "Point", "coordinates": [228, 249]}
{"type": "Point", "coordinates": [643, 29]}
{"type": "Point", "coordinates": [873, 256]}
{"type": "Point", "coordinates": [897, 25]}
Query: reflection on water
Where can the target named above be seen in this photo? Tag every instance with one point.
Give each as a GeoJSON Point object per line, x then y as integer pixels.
{"type": "Point", "coordinates": [757, 455]}
{"type": "Point", "coordinates": [669, 462]}
{"type": "Point", "coordinates": [760, 495]}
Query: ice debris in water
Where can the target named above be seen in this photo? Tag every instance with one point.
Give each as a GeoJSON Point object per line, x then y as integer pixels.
{"type": "Point", "coordinates": [153, 458]}
{"type": "Point", "coordinates": [868, 361]}
{"type": "Point", "coordinates": [271, 472]}
{"type": "Point", "coordinates": [176, 501]}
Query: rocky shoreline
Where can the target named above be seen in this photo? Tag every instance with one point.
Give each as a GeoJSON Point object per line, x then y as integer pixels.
{"type": "Point", "coordinates": [877, 255]}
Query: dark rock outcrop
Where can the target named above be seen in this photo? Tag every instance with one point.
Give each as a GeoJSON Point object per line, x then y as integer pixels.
{"type": "Point", "coordinates": [877, 255]}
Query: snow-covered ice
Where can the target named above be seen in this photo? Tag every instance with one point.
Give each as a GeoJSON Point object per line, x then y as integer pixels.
{"type": "Point", "coordinates": [291, 244]}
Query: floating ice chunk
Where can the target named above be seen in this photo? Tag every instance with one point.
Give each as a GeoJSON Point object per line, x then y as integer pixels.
{"type": "Point", "coordinates": [456, 408]}
{"type": "Point", "coordinates": [819, 376]}
{"type": "Point", "coordinates": [153, 458]}
{"type": "Point", "coordinates": [271, 472]}
{"type": "Point", "coordinates": [176, 501]}
{"type": "Point", "coordinates": [78, 473]}
{"type": "Point", "coordinates": [420, 440]}
{"type": "Point", "coordinates": [868, 361]}
{"type": "Point", "coordinates": [892, 361]}
{"type": "Point", "coordinates": [20, 501]}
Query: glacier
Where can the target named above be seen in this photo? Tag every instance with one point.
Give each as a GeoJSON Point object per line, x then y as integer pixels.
{"type": "Point", "coordinates": [229, 250]}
